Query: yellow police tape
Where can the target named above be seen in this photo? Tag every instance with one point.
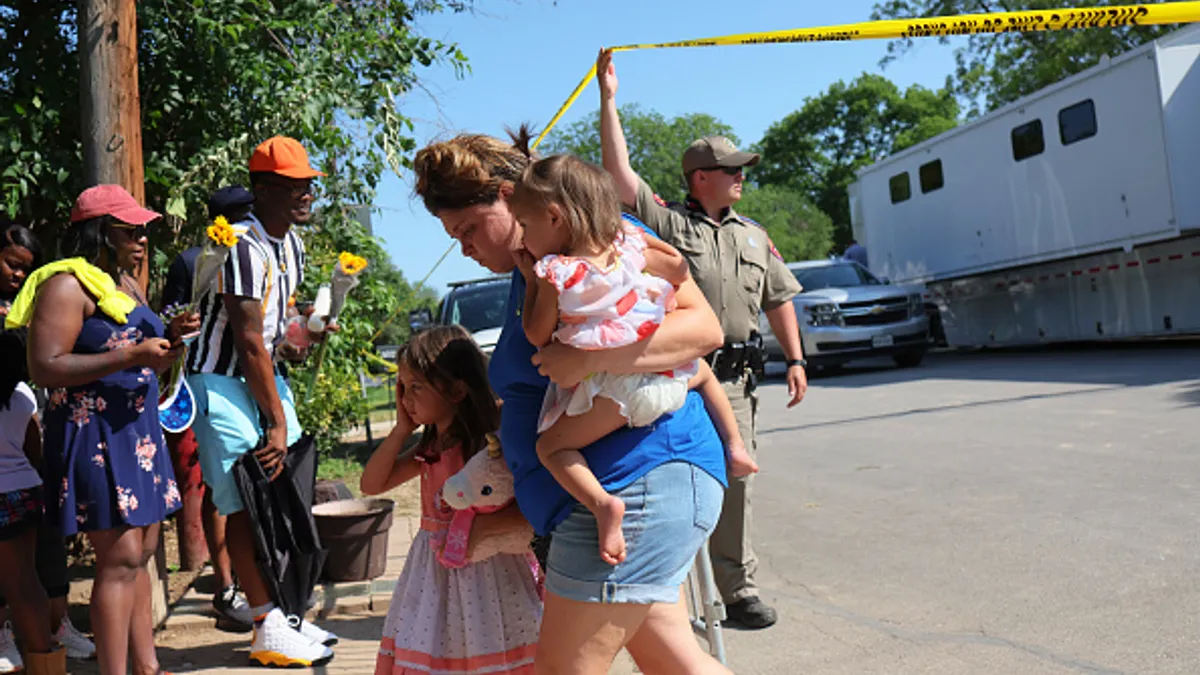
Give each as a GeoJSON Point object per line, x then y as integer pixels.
{"type": "Point", "coordinates": [893, 29]}
{"type": "Point", "coordinates": [379, 360]}
{"type": "Point", "coordinates": [942, 26]}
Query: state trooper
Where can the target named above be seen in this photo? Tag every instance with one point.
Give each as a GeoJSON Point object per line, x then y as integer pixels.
{"type": "Point", "coordinates": [740, 272]}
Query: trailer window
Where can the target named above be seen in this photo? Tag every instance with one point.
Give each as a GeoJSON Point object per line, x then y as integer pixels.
{"type": "Point", "coordinates": [900, 188]}
{"type": "Point", "coordinates": [931, 176]}
{"type": "Point", "coordinates": [1028, 141]}
{"type": "Point", "coordinates": [1077, 122]}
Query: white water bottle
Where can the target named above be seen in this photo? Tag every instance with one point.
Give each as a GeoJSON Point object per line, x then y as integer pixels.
{"type": "Point", "coordinates": [316, 320]}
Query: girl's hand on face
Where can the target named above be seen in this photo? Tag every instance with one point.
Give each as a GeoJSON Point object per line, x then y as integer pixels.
{"type": "Point", "coordinates": [403, 419]}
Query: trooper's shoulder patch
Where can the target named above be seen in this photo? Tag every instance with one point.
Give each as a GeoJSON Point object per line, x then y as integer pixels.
{"type": "Point", "coordinates": [770, 244]}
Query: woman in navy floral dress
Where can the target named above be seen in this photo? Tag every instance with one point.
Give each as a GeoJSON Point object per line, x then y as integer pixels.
{"type": "Point", "coordinates": [108, 472]}
{"type": "Point", "coordinates": [114, 470]}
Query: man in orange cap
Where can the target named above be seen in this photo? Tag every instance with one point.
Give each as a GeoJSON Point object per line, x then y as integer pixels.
{"type": "Point", "coordinates": [233, 377]}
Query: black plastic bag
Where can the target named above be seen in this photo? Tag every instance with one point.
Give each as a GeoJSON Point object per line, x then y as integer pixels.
{"type": "Point", "coordinates": [286, 542]}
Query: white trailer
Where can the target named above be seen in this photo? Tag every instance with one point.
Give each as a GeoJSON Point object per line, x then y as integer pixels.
{"type": "Point", "coordinates": [1071, 214]}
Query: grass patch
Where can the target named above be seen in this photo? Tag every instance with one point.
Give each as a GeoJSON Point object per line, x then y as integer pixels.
{"type": "Point", "coordinates": [381, 397]}
{"type": "Point", "coordinates": [339, 468]}
{"type": "Point", "coordinates": [345, 464]}
{"type": "Point", "coordinates": [388, 415]}
{"type": "Point", "coordinates": [381, 404]}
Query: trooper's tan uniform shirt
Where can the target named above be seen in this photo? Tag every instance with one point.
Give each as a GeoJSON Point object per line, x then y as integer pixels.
{"type": "Point", "coordinates": [740, 272]}
{"type": "Point", "coordinates": [735, 250]}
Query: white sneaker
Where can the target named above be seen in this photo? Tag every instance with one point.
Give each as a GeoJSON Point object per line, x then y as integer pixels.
{"type": "Point", "coordinates": [276, 643]}
{"type": "Point", "coordinates": [78, 646]}
{"type": "Point", "coordinates": [312, 632]}
{"type": "Point", "coordinates": [10, 656]}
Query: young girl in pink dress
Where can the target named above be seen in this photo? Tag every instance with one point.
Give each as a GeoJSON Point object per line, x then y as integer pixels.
{"type": "Point", "coordinates": [600, 283]}
{"type": "Point", "coordinates": [481, 618]}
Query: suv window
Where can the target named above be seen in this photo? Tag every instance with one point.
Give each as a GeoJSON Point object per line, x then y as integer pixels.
{"type": "Point", "coordinates": [477, 307]}
{"type": "Point", "coordinates": [834, 276]}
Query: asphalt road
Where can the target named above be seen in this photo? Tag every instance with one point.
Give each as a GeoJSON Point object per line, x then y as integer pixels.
{"type": "Point", "coordinates": [1015, 512]}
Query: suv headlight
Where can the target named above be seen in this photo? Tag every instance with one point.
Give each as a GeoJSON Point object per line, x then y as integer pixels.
{"type": "Point", "coordinates": [823, 315]}
{"type": "Point", "coordinates": [916, 305]}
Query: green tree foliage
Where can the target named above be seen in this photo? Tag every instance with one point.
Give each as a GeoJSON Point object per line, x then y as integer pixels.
{"type": "Point", "coordinates": [375, 314]}
{"type": "Point", "coordinates": [992, 70]}
{"type": "Point", "coordinates": [798, 229]}
{"type": "Point", "coordinates": [656, 144]}
{"type": "Point", "coordinates": [216, 78]}
{"type": "Point", "coordinates": [819, 148]}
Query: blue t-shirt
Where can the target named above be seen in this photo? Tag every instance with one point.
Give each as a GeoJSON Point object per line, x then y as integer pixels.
{"type": "Point", "coordinates": [617, 460]}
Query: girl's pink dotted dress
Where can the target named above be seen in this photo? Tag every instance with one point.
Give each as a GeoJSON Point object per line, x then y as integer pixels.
{"type": "Point", "coordinates": [479, 619]}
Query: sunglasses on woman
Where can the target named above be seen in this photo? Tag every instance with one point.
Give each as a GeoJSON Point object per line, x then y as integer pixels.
{"type": "Point", "coordinates": [136, 232]}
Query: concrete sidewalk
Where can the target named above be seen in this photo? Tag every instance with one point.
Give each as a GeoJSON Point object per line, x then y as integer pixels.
{"type": "Point", "coordinates": [189, 641]}
{"type": "Point", "coordinates": [194, 610]}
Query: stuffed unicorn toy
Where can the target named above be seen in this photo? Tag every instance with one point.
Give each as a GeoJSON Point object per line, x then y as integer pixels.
{"type": "Point", "coordinates": [484, 485]}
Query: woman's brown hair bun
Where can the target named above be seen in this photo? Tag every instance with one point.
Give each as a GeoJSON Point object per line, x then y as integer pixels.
{"type": "Point", "coordinates": [470, 169]}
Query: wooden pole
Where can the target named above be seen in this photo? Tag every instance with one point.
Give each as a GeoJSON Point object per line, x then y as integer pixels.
{"type": "Point", "coordinates": [112, 144]}
{"type": "Point", "coordinates": [109, 100]}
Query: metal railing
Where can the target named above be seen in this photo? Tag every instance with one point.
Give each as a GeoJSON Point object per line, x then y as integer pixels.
{"type": "Point", "coordinates": [704, 603]}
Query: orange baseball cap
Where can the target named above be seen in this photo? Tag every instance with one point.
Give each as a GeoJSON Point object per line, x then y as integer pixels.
{"type": "Point", "coordinates": [284, 156]}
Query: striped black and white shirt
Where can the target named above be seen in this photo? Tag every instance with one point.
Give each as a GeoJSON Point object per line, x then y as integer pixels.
{"type": "Point", "coordinates": [260, 267]}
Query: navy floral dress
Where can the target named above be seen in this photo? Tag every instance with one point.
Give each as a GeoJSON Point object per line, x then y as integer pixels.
{"type": "Point", "coordinates": [107, 464]}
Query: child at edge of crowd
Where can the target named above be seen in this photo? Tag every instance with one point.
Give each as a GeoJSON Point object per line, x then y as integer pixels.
{"type": "Point", "coordinates": [21, 499]}
{"type": "Point", "coordinates": [445, 620]}
{"type": "Point", "coordinates": [20, 255]}
{"type": "Point", "coordinates": [596, 281]}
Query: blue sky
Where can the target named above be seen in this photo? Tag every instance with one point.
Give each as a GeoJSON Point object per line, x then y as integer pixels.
{"type": "Point", "coordinates": [527, 55]}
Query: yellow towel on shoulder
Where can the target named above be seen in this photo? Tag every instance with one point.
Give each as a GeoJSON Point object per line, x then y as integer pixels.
{"type": "Point", "coordinates": [110, 299]}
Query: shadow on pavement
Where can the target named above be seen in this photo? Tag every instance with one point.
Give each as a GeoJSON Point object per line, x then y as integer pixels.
{"type": "Point", "coordinates": [912, 412]}
{"type": "Point", "coordinates": [211, 651]}
{"type": "Point", "coordinates": [1129, 364]}
{"type": "Point", "coordinates": [1190, 396]}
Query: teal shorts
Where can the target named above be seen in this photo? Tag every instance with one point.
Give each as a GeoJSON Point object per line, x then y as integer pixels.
{"type": "Point", "coordinates": [227, 426]}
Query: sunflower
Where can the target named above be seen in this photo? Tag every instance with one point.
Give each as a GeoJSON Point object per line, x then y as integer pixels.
{"type": "Point", "coordinates": [350, 263]}
{"type": "Point", "coordinates": [221, 233]}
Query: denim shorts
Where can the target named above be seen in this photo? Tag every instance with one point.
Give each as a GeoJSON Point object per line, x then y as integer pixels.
{"type": "Point", "coordinates": [227, 426]}
{"type": "Point", "coordinates": [669, 513]}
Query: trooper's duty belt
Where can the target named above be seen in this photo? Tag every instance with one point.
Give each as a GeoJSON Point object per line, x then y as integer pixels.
{"type": "Point", "coordinates": [730, 361]}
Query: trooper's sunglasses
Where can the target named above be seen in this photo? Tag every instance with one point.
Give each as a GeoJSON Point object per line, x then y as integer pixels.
{"type": "Point", "coordinates": [729, 170]}
{"type": "Point", "coordinates": [136, 232]}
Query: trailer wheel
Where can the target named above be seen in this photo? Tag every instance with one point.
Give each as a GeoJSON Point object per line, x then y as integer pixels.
{"type": "Point", "coordinates": [909, 359]}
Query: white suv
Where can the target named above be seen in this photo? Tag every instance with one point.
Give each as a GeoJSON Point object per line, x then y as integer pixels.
{"type": "Point", "coordinates": [477, 305]}
{"type": "Point", "coordinates": [846, 313]}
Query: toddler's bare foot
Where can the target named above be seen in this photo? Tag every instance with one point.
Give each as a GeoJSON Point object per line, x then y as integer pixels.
{"type": "Point", "coordinates": [609, 515]}
{"type": "Point", "coordinates": [740, 462]}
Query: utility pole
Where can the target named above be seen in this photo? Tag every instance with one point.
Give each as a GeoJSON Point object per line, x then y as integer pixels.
{"type": "Point", "coordinates": [112, 144]}
{"type": "Point", "coordinates": [109, 100]}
